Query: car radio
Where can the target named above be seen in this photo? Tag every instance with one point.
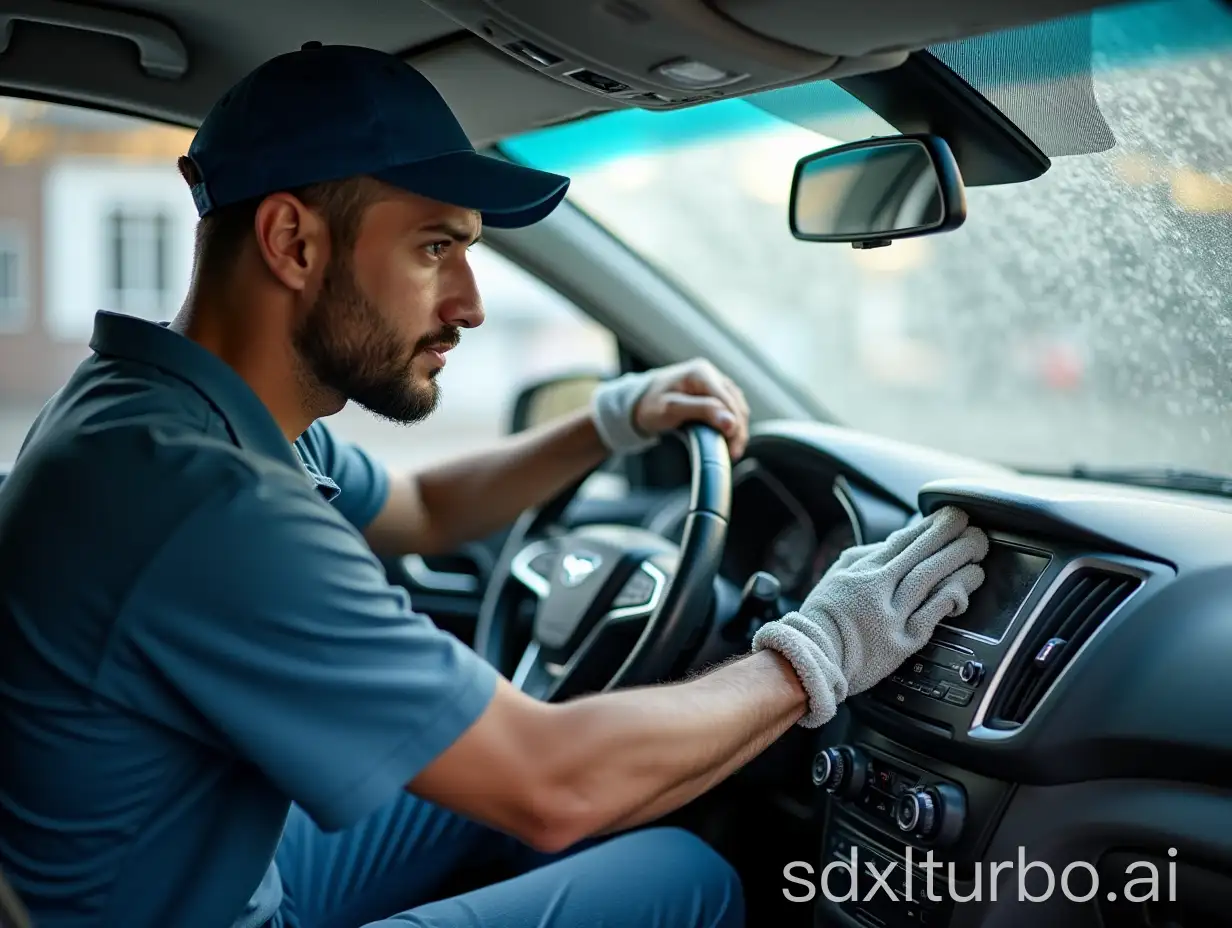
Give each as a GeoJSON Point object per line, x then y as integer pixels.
{"type": "Point", "coordinates": [942, 671]}
{"type": "Point", "coordinates": [942, 681]}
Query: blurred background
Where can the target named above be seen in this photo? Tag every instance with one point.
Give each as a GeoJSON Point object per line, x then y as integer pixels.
{"type": "Point", "coordinates": [1081, 318]}
{"type": "Point", "coordinates": [94, 215]}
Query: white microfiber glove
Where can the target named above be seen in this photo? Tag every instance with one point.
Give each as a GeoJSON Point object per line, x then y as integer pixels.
{"type": "Point", "coordinates": [611, 408]}
{"type": "Point", "coordinates": [876, 607]}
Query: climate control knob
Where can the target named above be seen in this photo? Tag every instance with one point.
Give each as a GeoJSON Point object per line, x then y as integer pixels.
{"type": "Point", "coordinates": [932, 813]}
{"type": "Point", "coordinates": [840, 771]}
{"type": "Point", "coordinates": [971, 673]}
{"type": "Point", "coordinates": [917, 811]}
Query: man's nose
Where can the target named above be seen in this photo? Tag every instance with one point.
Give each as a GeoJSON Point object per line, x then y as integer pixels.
{"type": "Point", "coordinates": [464, 308]}
{"type": "Point", "coordinates": [464, 313]}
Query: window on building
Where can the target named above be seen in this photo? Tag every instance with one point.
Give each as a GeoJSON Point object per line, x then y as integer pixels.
{"type": "Point", "coordinates": [137, 243]}
{"type": "Point", "coordinates": [14, 306]}
{"type": "Point", "coordinates": [116, 227]}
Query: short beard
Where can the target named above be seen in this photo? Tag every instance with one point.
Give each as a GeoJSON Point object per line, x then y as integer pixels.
{"type": "Point", "coordinates": [349, 351]}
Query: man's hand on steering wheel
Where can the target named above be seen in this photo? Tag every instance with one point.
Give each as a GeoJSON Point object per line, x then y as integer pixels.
{"type": "Point", "coordinates": [598, 586]}
{"type": "Point", "coordinates": [694, 391]}
{"type": "Point", "coordinates": [633, 411]}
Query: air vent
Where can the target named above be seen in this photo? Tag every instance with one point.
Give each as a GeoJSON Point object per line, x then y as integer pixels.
{"type": "Point", "coordinates": [1076, 609]}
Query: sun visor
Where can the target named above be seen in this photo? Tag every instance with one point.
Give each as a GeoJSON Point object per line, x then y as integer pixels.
{"type": "Point", "coordinates": [840, 27]}
{"type": "Point", "coordinates": [654, 54]}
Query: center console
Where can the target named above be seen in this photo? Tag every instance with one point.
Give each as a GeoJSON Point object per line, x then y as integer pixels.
{"type": "Point", "coordinates": [941, 682]}
{"type": "Point", "coordinates": [903, 833]}
{"type": "Point", "coordinates": [906, 826]}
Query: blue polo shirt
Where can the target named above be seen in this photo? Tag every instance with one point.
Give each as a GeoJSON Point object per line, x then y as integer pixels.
{"type": "Point", "coordinates": [194, 635]}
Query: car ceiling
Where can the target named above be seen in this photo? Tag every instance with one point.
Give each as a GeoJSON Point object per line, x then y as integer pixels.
{"type": "Point", "coordinates": [494, 94]}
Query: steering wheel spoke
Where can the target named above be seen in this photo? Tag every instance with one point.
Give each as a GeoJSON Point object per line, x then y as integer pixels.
{"type": "Point", "coordinates": [640, 595]}
{"type": "Point", "coordinates": [534, 675]}
{"type": "Point", "coordinates": [532, 566]}
{"type": "Point", "coordinates": [615, 605]}
{"type": "Point", "coordinates": [637, 600]}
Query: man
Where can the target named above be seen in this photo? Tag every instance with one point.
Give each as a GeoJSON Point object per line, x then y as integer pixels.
{"type": "Point", "coordinates": [215, 709]}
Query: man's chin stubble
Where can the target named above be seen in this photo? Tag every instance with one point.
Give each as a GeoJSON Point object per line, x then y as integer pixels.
{"type": "Point", "coordinates": [417, 402]}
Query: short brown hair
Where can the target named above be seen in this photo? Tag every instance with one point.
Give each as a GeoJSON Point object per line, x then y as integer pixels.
{"type": "Point", "coordinates": [222, 234]}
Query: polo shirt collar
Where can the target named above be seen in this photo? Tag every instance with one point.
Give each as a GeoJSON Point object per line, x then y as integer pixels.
{"type": "Point", "coordinates": [247, 419]}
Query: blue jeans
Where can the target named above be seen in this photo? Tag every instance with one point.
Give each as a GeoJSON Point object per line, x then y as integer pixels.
{"type": "Point", "coordinates": [390, 870]}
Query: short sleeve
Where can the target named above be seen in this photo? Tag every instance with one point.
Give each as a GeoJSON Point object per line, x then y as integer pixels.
{"type": "Point", "coordinates": [268, 614]}
{"type": "Point", "coordinates": [362, 482]}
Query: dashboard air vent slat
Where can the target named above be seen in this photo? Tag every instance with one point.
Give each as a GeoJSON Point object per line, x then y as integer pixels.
{"type": "Point", "coordinates": [1082, 603]}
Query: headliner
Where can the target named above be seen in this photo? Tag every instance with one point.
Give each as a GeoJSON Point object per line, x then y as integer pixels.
{"type": "Point", "coordinates": [226, 38]}
{"type": "Point", "coordinates": [493, 95]}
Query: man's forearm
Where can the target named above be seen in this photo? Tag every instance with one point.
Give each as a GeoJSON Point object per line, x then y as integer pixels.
{"type": "Point", "coordinates": [554, 774]}
{"type": "Point", "coordinates": [460, 500]}
{"type": "Point", "coordinates": [629, 757]}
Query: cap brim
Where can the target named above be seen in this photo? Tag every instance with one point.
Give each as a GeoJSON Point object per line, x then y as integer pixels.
{"type": "Point", "coordinates": [507, 195]}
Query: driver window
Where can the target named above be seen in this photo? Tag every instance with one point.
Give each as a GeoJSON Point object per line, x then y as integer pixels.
{"type": "Point", "coordinates": [94, 215]}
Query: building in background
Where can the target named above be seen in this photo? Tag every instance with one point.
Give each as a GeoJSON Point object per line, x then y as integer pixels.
{"type": "Point", "coordinates": [94, 215]}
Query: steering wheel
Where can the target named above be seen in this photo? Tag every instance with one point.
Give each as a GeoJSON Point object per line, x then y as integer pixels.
{"type": "Point", "coordinates": [613, 605]}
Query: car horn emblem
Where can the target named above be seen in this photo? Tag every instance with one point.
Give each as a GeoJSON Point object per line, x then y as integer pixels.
{"type": "Point", "coordinates": [575, 568]}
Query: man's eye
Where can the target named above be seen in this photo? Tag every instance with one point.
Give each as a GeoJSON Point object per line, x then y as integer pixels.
{"type": "Point", "coordinates": [437, 249]}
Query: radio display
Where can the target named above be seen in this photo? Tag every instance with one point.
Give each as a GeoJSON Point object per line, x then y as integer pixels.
{"type": "Point", "coordinates": [1009, 575]}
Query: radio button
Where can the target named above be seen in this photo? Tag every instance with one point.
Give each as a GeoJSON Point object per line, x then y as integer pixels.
{"type": "Point", "coordinates": [972, 673]}
{"type": "Point", "coordinates": [958, 695]}
{"type": "Point", "coordinates": [883, 779]}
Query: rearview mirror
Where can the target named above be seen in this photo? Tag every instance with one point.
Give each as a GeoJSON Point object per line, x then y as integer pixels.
{"type": "Point", "coordinates": [876, 190]}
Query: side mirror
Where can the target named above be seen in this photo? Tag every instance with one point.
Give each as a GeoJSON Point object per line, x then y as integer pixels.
{"type": "Point", "coordinates": [550, 399]}
{"type": "Point", "coordinates": [876, 190]}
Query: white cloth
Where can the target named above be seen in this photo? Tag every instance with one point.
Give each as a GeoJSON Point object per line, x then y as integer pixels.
{"type": "Point", "coordinates": [875, 607]}
{"type": "Point", "coordinates": [612, 406]}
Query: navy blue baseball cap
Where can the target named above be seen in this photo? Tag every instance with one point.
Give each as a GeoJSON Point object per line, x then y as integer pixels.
{"type": "Point", "coordinates": [330, 112]}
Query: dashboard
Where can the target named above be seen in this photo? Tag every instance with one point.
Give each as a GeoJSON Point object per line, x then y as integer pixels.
{"type": "Point", "coordinates": [796, 541]}
{"type": "Point", "coordinates": [1077, 711]}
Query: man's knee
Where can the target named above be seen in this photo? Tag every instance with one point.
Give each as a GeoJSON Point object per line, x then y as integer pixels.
{"type": "Point", "coordinates": [654, 878]}
{"type": "Point", "coordinates": [692, 866]}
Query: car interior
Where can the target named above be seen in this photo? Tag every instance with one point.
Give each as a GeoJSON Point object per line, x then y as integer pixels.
{"type": "Point", "coordinates": [1059, 715]}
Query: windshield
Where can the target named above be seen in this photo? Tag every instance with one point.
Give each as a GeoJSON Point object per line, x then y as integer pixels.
{"type": "Point", "coordinates": [1079, 318]}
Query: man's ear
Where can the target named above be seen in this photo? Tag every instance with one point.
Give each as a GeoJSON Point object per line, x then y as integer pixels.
{"type": "Point", "coordinates": [188, 170]}
{"type": "Point", "coordinates": [293, 240]}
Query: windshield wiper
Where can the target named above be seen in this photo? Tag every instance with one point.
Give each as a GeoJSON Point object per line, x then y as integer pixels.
{"type": "Point", "coordinates": [1171, 478]}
